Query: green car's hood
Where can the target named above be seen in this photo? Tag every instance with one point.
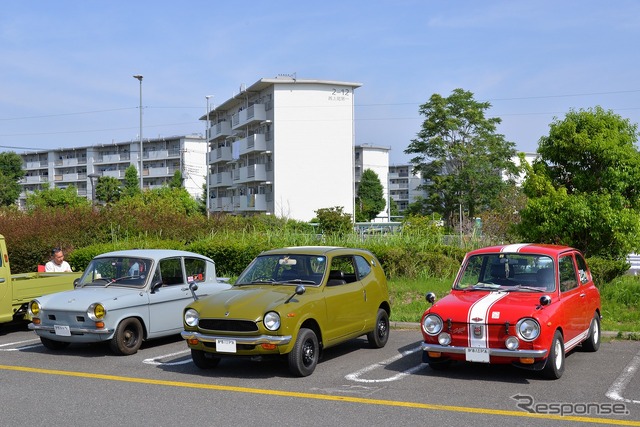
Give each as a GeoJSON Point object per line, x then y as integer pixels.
{"type": "Point", "coordinates": [244, 302]}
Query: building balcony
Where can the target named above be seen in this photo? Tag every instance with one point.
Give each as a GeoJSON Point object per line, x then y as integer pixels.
{"type": "Point", "coordinates": [253, 114]}
{"type": "Point", "coordinates": [253, 173]}
{"type": "Point", "coordinates": [161, 171]}
{"type": "Point", "coordinates": [251, 203]}
{"type": "Point", "coordinates": [112, 158]}
{"type": "Point", "coordinates": [114, 174]}
{"type": "Point", "coordinates": [36, 164]}
{"type": "Point", "coordinates": [222, 179]}
{"type": "Point", "coordinates": [220, 129]}
{"type": "Point", "coordinates": [252, 144]}
{"type": "Point", "coordinates": [220, 154]}
{"type": "Point", "coordinates": [156, 154]}
{"type": "Point", "coordinates": [35, 179]}
{"type": "Point", "coordinates": [224, 204]}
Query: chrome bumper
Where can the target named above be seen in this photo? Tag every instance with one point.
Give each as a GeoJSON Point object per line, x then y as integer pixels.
{"type": "Point", "coordinates": [74, 331]}
{"type": "Point", "coordinates": [260, 339]}
{"type": "Point", "coordinates": [498, 352]}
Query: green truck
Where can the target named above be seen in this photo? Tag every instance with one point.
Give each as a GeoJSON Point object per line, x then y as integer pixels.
{"type": "Point", "coordinates": [17, 290]}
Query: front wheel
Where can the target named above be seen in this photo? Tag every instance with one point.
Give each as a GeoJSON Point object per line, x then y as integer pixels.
{"type": "Point", "coordinates": [54, 345]}
{"type": "Point", "coordinates": [204, 360]}
{"type": "Point", "coordinates": [128, 337]}
{"type": "Point", "coordinates": [554, 367]}
{"type": "Point", "coordinates": [380, 335]}
{"type": "Point", "coordinates": [303, 358]}
{"type": "Point", "coordinates": [593, 342]}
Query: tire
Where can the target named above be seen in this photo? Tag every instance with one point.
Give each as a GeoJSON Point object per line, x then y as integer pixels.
{"type": "Point", "coordinates": [380, 335]}
{"type": "Point", "coordinates": [554, 368]}
{"type": "Point", "coordinates": [592, 343]}
{"type": "Point", "coordinates": [54, 345]}
{"type": "Point", "coordinates": [128, 337]}
{"type": "Point", "coordinates": [204, 360]}
{"type": "Point", "coordinates": [303, 358]}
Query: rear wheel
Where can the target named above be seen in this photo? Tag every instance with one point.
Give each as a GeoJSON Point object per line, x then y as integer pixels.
{"type": "Point", "coordinates": [204, 360]}
{"type": "Point", "coordinates": [554, 368]}
{"type": "Point", "coordinates": [380, 335]}
{"type": "Point", "coordinates": [593, 342]}
{"type": "Point", "coordinates": [53, 345]}
{"type": "Point", "coordinates": [303, 358]}
{"type": "Point", "coordinates": [128, 337]}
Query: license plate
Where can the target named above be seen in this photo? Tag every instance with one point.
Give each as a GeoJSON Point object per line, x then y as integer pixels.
{"type": "Point", "coordinates": [62, 330]}
{"type": "Point", "coordinates": [474, 354]}
{"type": "Point", "coordinates": [226, 346]}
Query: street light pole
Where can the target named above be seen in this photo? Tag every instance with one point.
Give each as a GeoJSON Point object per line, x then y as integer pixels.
{"type": "Point", "coordinates": [208, 135]}
{"type": "Point", "coordinates": [139, 78]}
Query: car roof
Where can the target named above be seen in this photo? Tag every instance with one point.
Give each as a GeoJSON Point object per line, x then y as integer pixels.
{"type": "Point", "coordinates": [155, 254]}
{"type": "Point", "coordinates": [315, 250]}
{"type": "Point", "coordinates": [533, 248]}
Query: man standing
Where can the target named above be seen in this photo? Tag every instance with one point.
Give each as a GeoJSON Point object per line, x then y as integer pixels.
{"type": "Point", "coordinates": [57, 263]}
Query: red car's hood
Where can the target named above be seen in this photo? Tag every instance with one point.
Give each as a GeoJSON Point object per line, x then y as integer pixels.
{"type": "Point", "coordinates": [486, 307]}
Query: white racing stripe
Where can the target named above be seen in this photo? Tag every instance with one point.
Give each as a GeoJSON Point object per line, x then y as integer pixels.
{"type": "Point", "coordinates": [514, 248]}
{"type": "Point", "coordinates": [479, 314]}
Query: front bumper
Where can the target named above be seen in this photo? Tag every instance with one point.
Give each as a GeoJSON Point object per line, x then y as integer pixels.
{"type": "Point", "coordinates": [77, 334]}
{"type": "Point", "coordinates": [254, 340]}
{"type": "Point", "coordinates": [496, 352]}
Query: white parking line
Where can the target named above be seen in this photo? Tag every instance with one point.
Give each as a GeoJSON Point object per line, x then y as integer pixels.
{"type": "Point", "coordinates": [18, 343]}
{"type": "Point", "coordinates": [155, 360]}
{"type": "Point", "coordinates": [619, 385]}
{"type": "Point", "coordinates": [356, 375]}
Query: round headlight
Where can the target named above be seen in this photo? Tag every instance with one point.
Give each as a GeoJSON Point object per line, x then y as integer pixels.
{"type": "Point", "coordinates": [528, 329]}
{"type": "Point", "coordinates": [432, 324]}
{"type": "Point", "coordinates": [511, 343]}
{"type": "Point", "coordinates": [191, 317]}
{"type": "Point", "coordinates": [444, 338]}
{"type": "Point", "coordinates": [34, 308]}
{"type": "Point", "coordinates": [272, 321]}
{"type": "Point", "coordinates": [96, 311]}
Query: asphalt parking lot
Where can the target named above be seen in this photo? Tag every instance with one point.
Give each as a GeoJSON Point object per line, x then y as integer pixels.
{"type": "Point", "coordinates": [352, 385]}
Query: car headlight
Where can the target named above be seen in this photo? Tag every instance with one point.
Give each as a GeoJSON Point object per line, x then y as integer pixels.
{"type": "Point", "coordinates": [432, 324]}
{"type": "Point", "coordinates": [191, 317]}
{"type": "Point", "coordinates": [96, 311]}
{"type": "Point", "coordinates": [272, 321]}
{"type": "Point", "coordinates": [528, 329]}
{"type": "Point", "coordinates": [34, 308]}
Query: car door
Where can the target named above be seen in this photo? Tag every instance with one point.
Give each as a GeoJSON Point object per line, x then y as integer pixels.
{"type": "Point", "coordinates": [345, 301]}
{"type": "Point", "coordinates": [167, 300]}
{"type": "Point", "coordinates": [571, 298]}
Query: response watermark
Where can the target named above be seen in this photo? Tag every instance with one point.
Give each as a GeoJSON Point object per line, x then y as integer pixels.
{"type": "Point", "coordinates": [528, 404]}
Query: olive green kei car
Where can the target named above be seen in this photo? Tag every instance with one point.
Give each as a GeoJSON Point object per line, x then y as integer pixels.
{"type": "Point", "coordinates": [292, 303]}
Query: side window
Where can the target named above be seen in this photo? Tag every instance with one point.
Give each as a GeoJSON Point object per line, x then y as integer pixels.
{"type": "Point", "coordinates": [583, 271]}
{"type": "Point", "coordinates": [363, 267]}
{"type": "Point", "coordinates": [344, 265]}
{"type": "Point", "coordinates": [196, 269]}
{"type": "Point", "coordinates": [171, 271]}
{"type": "Point", "coordinates": [568, 278]}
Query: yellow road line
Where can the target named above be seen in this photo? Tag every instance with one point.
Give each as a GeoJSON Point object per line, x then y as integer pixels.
{"type": "Point", "coordinates": [366, 401]}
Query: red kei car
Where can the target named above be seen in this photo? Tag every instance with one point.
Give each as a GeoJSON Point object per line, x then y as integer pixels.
{"type": "Point", "coordinates": [523, 304]}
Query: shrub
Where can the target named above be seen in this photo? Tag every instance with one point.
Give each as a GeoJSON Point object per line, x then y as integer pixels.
{"type": "Point", "coordinates": [605, 270]}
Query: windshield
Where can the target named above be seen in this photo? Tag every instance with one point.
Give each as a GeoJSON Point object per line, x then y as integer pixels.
{"type": "Point", "coordinates": [509, 272]}
{"type": "Point", "coordinates": [288, 269]}
{"type": "Point", "coordinates": [116, 271]}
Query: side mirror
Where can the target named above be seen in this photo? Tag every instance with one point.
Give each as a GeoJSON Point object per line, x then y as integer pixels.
{"type": "Point", "coordinates": [75, 282]}
{"type": "Point", "coordinates": [430, 297]}
{"type": "Point", "coordinates": [155, 286]}
{"type": "Point", "coordinates": [299, 291]}
{"type": "Point", "coordinates": [193, 287]}
{"type": "Point", "coordinates": [545, 300]}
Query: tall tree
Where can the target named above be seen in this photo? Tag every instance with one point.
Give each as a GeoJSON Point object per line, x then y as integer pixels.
{"type": "Point", "coordinates": [131, 182]}
{"type": "Point", "coordinates": [584, 189]}
{"type": "Point", "coordinates": [370, 198]}
{"type": "Point", "coordinates": [56, 198]}
{"type": "Point", "coordinates": [460, 155]}
{"type": "Point", "coordinates": [176, 180]}
{"type": "Point", "coordinates": [108, 189]}
{"type": "Point", "coordinates": [11, 173]}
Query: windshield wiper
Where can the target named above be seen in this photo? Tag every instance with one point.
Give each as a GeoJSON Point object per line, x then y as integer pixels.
{"type": "Point", "coordinates": [300, 281]}
{"type": "Point", "coordinates": [525, 288]}
{"type": "Point", "coordinates": [484, 286]}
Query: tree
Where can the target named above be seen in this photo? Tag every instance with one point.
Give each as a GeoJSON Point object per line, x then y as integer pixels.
{"type": "Point", "coordinates": [108, 189]}
{"type": "Point", "coordinates": [584, 189]}
{"type": "Point", "coordinates": [370, 198]}
{"type": "Point", "coordinates": [131, 182]}
{"type": "Point", "coordinates": [176, 180]}
{"type": "Point", "coordinates": [56, 198]}
{"type": "Point", "coordinates": [11, 173]}
{"type": "Point", "coordinates": [460, 155]}
{"type": "Point", "coordinates": [333, 221]}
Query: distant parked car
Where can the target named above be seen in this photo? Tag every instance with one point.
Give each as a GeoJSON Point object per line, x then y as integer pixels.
{"type": "Point", "coordinates": [523, 304]}
{"type": "Point", "coordinates": [292, 302]}
{"type": "Point", "coordinates": [125, 297]}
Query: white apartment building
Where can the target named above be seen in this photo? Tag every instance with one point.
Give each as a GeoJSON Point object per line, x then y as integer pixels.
{"type": "Point", "coordinates": [284, 147]}
{"type": "Point", "coordinates": [162, 157]}
{"type": "Point", "coordinates": [403, 186]}
{"type": "Point", "coordinates": [376, 158]}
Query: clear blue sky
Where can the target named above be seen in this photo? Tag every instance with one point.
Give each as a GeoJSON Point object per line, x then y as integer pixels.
{"type": "Point", "coordinates": [66, 66]}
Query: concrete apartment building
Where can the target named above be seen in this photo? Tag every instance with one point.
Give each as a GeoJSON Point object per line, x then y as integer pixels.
{"type": "Point", "coordinates": [60, 168]}
{"type": "Point", "coordinates": [376, 158]}
{"type": "Point", "coordinates": [284, 147]}
{"type": "Point", "coordinates": [403, 186]}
